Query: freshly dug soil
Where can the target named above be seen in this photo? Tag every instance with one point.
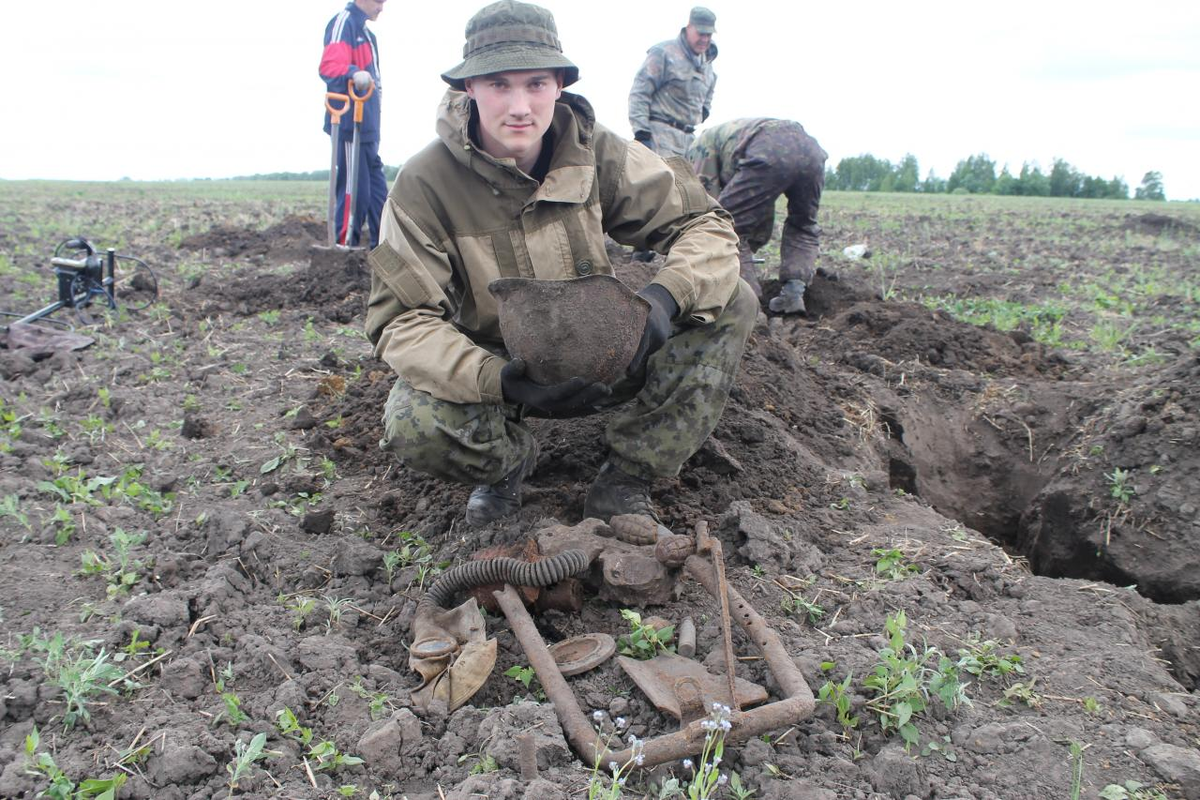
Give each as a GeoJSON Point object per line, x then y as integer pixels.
{"type": "Point", "coordinates": [875, 456]}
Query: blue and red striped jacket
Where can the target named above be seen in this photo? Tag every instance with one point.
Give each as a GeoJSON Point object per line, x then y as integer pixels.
{"type": "Point", "coordinates": [349, 47]}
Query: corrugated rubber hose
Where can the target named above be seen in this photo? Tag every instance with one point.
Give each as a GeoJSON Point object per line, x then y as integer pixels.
{"type": "Point", "coordinates": [503, 570]}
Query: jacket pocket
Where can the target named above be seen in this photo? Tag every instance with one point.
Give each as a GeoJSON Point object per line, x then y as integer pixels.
{"type": "Point", "coordinates": [412, 285]}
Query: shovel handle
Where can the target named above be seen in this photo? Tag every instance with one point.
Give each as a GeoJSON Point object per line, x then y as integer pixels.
{"type": "Point", "coordinates": [335, 114]}
{"type": "Point", "coordinates": [358, 101]}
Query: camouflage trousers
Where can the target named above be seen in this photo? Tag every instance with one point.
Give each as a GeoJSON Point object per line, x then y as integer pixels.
{"type": "Point", "coordinates": [779, 159]}
{"type": "Point", "coordinates": [664, 415]}
{"type": "Point", "coordinates": [668, 140]}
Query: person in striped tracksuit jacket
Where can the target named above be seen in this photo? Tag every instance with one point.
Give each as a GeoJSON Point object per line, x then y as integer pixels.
{"type": "Point", "coordinates": [350, 46]}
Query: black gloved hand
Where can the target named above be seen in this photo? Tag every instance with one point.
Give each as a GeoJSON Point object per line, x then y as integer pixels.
{"type": "Point", "coordinates": [645, 138]}
{"type": "Point", "coordinates": [562, 399]}
{"type": "Point", "coordinates": [663, 309]}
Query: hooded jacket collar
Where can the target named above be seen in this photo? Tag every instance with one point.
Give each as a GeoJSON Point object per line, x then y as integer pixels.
{"type": "Point", "coordinates": [572, 165]}
{"type": "Point", "coordinates": [698, 59]}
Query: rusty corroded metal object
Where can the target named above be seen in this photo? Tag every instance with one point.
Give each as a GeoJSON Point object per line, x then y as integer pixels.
{"type": "Point", "coordinates": [657, 678]}
{"type": "Point", "coordinates": [686, 638]}
{"type": "Point", "coordinates": [689, 739]}
{"type": "Point", "coordinates": [588, 327]}
{"type": "Point", "coordinates": [712, 546]}
{"type": "Point", "coordinates": [635, 528]}
{"type": "Point", "coordinates": [579, 654]}
{"type": "Point", "coordinates": [672, 550]}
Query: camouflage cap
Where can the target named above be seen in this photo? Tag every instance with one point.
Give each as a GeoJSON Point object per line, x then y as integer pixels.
{"type": "Point", "coordinates": [703, 20]}
{"type": "Point", "coordinates": [507, 36]}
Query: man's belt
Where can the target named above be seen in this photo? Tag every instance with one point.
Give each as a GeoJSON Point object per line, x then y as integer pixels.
{"type": "Point", "coordinates": [679, 126]}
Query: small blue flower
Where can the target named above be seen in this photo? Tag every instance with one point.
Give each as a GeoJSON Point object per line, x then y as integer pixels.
{"type": "Point", "coordinates": [597, 715]}
{"type": "Point", "coordinates": [613, 766]}
{"type": "Point", "coordinates": [721, 781]}
{"type": "Point", "coordinates": [687, 763]}
{"type": "Point", "coordinates": [620, 723]}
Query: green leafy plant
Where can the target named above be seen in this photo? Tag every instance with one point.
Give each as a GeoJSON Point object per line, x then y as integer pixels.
{"type": "Point", "coordinates": [644, 641]}
{"type": "Point", "coordinates": [738, 790]}
{"type": "Point", "coordinates": [898, 682]}
{"type": "Point", "coordinates": [329, 759]}
{"type": "Point", "coordinates": [120, 570]}
{"type": "Point", "coordinates": [1022, 693]}
{"type": "Point", "coordinates": [1119, 485]}
{"type": "Point", "coordinates": [10, 507]}
{"type": "Point", "coordinates": [61, 787]}
{"type": "Point", "coordinates": [1076, 770]}
{"type": "Point", "coordinates": [484, 763]}
{"type": "Point", "coordinates": [245, 755]}
{"type": "Point", "coordinates": [707, 779]}
{"type": "Point", "coordinates": [838, 696]}
{"type": "Point", "coordinates": [1131, 790]}
{"type": "Point", "coordinates": [80, 673]}
{"type": "Point", "coordinates": [892, 565]}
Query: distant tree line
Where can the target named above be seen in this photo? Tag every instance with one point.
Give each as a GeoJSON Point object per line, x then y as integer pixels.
{"type": "Point", "coordinates": [315, 175]}
{"type": "Point", "coordinates": [977, 175]}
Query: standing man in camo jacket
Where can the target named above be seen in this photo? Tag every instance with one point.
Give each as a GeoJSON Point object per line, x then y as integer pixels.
{"type": "Point", "coordinates": [672, 92]}
{"type": "Point", "coordinates": [746, 164]}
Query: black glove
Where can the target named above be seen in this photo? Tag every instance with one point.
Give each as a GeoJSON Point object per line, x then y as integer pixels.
{"type": "Point", "coordinates": [663, 309]}
{"type": "Point", "coordinates": [645, 138]}
{"type": "Point", "coordinates": [562, 399]}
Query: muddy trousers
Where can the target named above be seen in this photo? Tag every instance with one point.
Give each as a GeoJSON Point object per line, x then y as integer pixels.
{"type": "Point", "coordinates": [779, 159]}
{"type": "Point", "coordinates": [664, 416]}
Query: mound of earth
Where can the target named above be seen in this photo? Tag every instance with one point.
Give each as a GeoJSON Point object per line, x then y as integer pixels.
{"type": "Point", "coordinates": [288, 241]}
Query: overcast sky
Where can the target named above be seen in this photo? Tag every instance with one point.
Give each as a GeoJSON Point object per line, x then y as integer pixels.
{"type": "Point", "coordinates": [104, 89]}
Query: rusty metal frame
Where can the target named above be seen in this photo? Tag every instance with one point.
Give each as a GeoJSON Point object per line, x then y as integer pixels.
{"type": "Point", "coordinates": [797, 704]}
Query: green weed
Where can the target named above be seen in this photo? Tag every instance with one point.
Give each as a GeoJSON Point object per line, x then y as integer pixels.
{"type": "Point", "coordinates": [61, 787]}
{"type": "Point", "coordinates": [245, 755]}
{"type": "Point", "coordinates": [892, 564]}
{"type": "Point", "coordinates": [644, 641]}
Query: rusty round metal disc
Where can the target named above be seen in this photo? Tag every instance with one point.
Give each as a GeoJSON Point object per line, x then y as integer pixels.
{"type": "Point", "coordinates": [433, 648]}
{"type": "Point", "coordinates": [581, 653]}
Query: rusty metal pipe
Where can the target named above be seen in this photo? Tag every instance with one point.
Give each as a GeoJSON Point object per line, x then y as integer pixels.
{"type": "Point", "coordinates": [580, 734]}
{"type": "Point", "coordinates": [785, 671]}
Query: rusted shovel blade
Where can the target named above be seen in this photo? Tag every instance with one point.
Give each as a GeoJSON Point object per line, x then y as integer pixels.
{"type": "Point", "coordinates": [586, 327]}
{"type": "Point", "coordinates": [656, 677]}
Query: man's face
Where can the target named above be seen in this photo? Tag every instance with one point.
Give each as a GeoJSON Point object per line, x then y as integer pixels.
{"type": "Point", "coordinates": [698, 41]}
{"type": "Point", "coordinates": [515, 110]}
{"type": "Point", "coordinates": [370, 7]}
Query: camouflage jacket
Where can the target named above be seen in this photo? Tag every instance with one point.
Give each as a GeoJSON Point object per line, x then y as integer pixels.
{"type": "Point", "coordinates": [674, 84]}
{"type": "Point", "coordinates": [715, 152]}
{"type": "Point", "coordinates": [457, 219]}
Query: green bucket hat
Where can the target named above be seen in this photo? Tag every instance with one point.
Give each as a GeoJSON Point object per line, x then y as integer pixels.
{"type": "Point", "coordinates": [507, 36]}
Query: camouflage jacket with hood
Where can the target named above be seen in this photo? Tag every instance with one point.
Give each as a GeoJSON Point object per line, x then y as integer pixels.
{"type": "Point", "coordinates": [457, 219]}
{"type": "Point", "coordinates": [674, 84]}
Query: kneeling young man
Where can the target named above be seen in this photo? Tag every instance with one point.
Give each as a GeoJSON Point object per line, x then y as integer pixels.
{"type": "Point", "coordinates": [522, 182]}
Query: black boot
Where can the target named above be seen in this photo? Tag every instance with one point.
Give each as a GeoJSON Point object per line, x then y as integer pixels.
{"type": "Point", "coordinates": [490, 503]}
{"type": "Point", "coordinates": [615, 492]}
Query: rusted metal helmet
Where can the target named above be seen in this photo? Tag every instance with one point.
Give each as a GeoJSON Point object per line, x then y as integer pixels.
{"type": "Point", "coordinates": [588, 327]}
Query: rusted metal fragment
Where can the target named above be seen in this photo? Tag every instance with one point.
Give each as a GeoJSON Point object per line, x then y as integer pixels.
{"type": "Point", "coordinates": [686, 638]}
{"type": "Point", "coordinates": [635, 528]}
{"type": "Point", "coordinates": [582, 653]}
{"type": "Point", "coordinates": [656, 677]}
{"type": "Point", "coordinates": [672, 550]}
{"type": "Point", "coordinates": [690, 699]}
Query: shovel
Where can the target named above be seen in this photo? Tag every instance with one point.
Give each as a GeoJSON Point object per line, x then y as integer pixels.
{"type": "Point", "coordinates": [352, 158]}
{"type": "Point", "coordinates": [335, 120]}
